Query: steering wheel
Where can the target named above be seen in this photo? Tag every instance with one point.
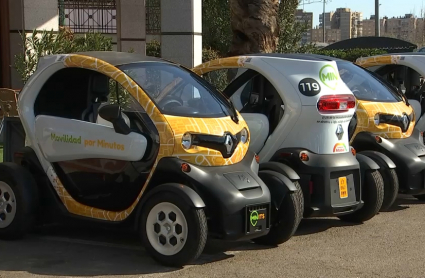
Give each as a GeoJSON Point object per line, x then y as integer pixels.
{"type": "Point", "coordinates": [356, 91]}
{"type": "Point", "coordinates": [169, 102]}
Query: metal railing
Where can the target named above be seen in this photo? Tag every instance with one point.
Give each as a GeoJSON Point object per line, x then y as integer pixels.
{"type": "Point", "coordinates": [153, 17]}
{"type": "Point", "coordinates": [83, 16]}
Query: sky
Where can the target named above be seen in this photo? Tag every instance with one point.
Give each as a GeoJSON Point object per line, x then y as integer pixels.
{"type": "Point", "coordinates": [388, 8]}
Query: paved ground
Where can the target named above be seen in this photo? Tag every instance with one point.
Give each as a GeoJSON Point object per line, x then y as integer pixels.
{"type": "Point", "coordinates": [390, 245]}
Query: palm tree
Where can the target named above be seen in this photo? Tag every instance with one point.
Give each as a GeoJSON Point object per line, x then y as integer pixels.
{"type": "Point", "coordinates": [254, 26]}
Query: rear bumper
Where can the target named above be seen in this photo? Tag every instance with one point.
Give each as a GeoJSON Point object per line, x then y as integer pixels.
{"type": "Point", "coordinates": [320, 182]}
{"type": "Point", "coordinates": [229, 193]}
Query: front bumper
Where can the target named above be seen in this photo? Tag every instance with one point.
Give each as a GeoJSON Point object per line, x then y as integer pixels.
{"type": "Point", "coordinates": [409, 156]}
{"type": "Point", "coordinates": [231, 194]}
{"type": "Point", "coordinates": [320, 182]}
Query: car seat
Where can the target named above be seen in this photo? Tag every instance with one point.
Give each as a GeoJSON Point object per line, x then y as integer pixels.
{"type": "Point", "coordinates": [273, 106]}
{"type": "Point", "coordinates": [98, 92]}
{"type": "Point", "coordinates": [102, 121]}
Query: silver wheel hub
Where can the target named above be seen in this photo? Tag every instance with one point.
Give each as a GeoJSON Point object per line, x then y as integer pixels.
{"type": "Point", "coordinates": [7, 205]}
{"type": "Point", "coordinates": [166, 229]}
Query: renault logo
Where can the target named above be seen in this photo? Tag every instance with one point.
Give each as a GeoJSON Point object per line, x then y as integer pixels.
{"type": "Point", "coordinates": [405, 121]}
{"type": "Point", "coordinates": [228, 142]}
{"type": "Point", "coordinates": [339, 131]}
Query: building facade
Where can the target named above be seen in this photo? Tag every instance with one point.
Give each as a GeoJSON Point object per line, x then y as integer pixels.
{"type": "Point", "coordinates": [130, 23]}
{"type": "Point", "coordinates": [305, 18]}
{"type": "Point", "coordinates": [342, 24]}
{"type": "Point", "coordinates": [331, 35]}
{"type": "Point", "coordinates": [408, 28]}
{"type": "Point", "coordinates": [369, 27]}
{"type": "Point", "coordinates": [349, 22]}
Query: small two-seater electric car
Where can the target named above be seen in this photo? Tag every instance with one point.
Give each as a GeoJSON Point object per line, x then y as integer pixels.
{"type": "Point", "coordinates": [405, 72]}
{"type": "Point", "coordinates": [124, 138]}
{"type": "Point", "coordinates": [298, 111]}
{"type": "Point", "coordinates": [389, 119]}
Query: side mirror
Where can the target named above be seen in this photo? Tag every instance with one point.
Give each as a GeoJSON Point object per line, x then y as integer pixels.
{"type": "Point", "coordinates": [112, 113]}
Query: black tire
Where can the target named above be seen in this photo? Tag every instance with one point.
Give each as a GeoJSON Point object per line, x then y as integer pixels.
{"type": "Point", "coordinates": [197, 230]}
{"type": "Point", "coordinates": [420, 197]}
{"type": "Point", "coordinates": [373, 196]}
{"type": "Point", "coordinates": [24, 189]}
{"type": "Point", "coordinates": [288, 219]}
{"type": "Point", "coordinates": [391, 186]}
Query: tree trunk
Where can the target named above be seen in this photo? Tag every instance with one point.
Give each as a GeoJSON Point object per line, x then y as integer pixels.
{"type": "Point", "coordinates": [254, 26]}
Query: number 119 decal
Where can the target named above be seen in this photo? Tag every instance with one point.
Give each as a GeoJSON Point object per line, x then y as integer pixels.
{"type": "Point", "coordinates": [309, 87]}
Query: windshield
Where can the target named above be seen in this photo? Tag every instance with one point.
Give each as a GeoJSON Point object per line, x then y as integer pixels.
{"type": "Point", "coordinates": [364, 85]}
{"type": "Point", "coordinates": [177, 91]}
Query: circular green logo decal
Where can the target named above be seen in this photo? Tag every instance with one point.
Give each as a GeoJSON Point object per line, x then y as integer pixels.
{"type": "Point", "coordinates": [329, 76]}
{"type": "Point", "coordinates": [253, 217]}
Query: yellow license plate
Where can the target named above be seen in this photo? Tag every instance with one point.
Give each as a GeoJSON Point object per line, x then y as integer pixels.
{"type": "Point", "coordinates": [343, 188]}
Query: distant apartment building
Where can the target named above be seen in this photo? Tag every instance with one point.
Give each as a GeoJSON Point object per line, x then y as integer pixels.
{"type": "Point", "coordinates": [349, 22]}
{"type": "Point", "coordinates": [328, 21]}
{"type": "Point", "coordinates": [305, 18]}
{"type": "Point", "coordinates": [408, 28]}
{"type": "Point", "coordinates": [339, 25]}
{"type": "Point", "coordinates": [369, 27]}
{"type": "Point", "coordinates": [331, 35]}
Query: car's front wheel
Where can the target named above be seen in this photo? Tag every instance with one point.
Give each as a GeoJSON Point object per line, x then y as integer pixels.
{"type": "Point", "coordinates": [18, 201]}
{"type": "Point", "coordinates": [391, 187]}
{"type": "Point", "coordinates": [286, 220]}
{"type": "Point", "coordinates": [172, 231]}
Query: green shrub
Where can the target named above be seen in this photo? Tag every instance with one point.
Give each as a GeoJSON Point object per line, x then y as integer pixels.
{"type": "Point", "coordinates": [349, 54]}
{"type": "Point", "coordinates": [153, 48]}
{"type": "Point", "coordinates": [41, 43]}
{"type": "Point", "coordinates": [209, 54]}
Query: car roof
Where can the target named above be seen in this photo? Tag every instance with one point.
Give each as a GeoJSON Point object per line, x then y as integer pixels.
{"type": "Point", "coordinates": [114, 58]}
{"type": "Point", "coordinates": [401, 54]}
{"type": "Point", "coordinates": [298, 56]}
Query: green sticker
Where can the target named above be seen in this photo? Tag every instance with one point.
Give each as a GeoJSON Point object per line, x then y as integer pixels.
{"type": "Point", "coordinates": [253, 217]}
{"type": "Point", "coordinates": [65, 138]}
{"type": "Point", "coordinates": [329, 76]}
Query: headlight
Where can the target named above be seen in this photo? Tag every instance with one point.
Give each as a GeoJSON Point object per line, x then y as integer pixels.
{"type": "Point", "coordinates": [244, 136]}
{"type": "Point", "coordinates": [187, 141]}
{"type": "Point", "coordinates": [376, 119]}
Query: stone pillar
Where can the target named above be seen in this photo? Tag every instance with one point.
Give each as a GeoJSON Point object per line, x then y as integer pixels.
{"type": "Point", "coordinates": [5, 80]}
{"type": "Point", "coordinates": [27, 15]}
{"type": "Point", "coordinates": [131, 26]}
{"type": "Point", "coordinates": [181, 31]}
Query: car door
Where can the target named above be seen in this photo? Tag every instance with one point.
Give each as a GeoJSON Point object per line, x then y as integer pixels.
{"type": "Point", "coordinates": [95, 162]}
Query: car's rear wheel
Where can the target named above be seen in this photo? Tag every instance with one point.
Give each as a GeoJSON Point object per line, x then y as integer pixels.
{"type": "Point", "coordinates": [287, 219]}
{"type": "Point", "coordinates": [172, 231]}
{"type": "Point", "coordinates": [18, 201]}
{"type": "Point", "coordinates": [373, 196]}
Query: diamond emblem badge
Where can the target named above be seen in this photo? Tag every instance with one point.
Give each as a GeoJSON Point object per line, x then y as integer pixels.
{"type": "Point", "coordinates": [339, 132]}
{"type": "Point", "coordinates": [405, 121]}
{"type": "Point", "coordinates": [228, 143]}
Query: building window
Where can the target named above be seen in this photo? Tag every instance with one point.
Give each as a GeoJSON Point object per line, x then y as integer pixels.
{"type": "Point", "coordinates": [83, 16]}
{"type": "Point", "coordinates": [153, 17]}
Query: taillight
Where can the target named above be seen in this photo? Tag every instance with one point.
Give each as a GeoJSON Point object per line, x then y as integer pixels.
{"type": "Point", "coordinates": [336, 103]}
